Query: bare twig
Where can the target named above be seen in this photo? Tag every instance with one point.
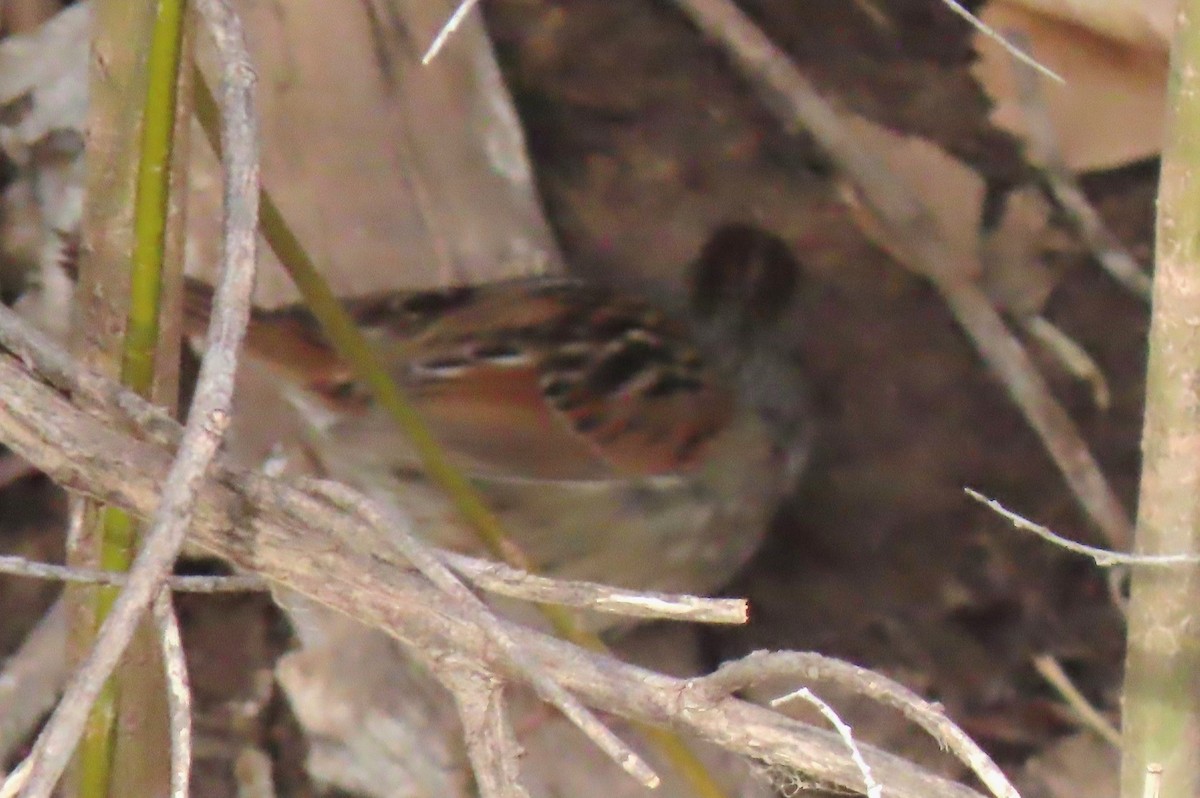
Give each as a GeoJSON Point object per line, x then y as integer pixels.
{"type": "Point", "coordinates": [305, 544]}
{"type": "Point", "coordinates": [873, 788]}
{"type": "Point", "coordinates": [179, 697]}
{"type": "Point", "coordinates": [1088, 715]}
{"type": "Point", "coordinates": [59, 369]}
{"type": "Point", "coordinates": [503, 580]}
{"type": "Point", "coordinates": [1152, 785]}
{"type": "Point", "coordinates": [1073, 357]}
{"type": "Point", "coordinates": [15, 781]}
{"type": "Point", "coordinates": [19, 566]}
{"type": "Point", "coordinates": [491, 744]}
{"type": "Point", "coordinates": [1013, 48]}
{"type": "Point", "coordinates": [1102, 557]}
{"type": "Point", "coordinates": [439, 41]}
{"type": "Point", "coordinates": [912, 227]}
{"type": "Point", "coordinates": [207, 421]}
{"type": "Point", "coordinates": [762, 665]}
{"type": "Point", "coordinates": [1028, 389]}
{"type": "Point", "coordinates": [393, 530]}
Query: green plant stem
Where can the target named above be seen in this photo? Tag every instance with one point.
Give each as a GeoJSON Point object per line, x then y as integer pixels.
{"type": "Point", "coordinates": [119, 531]}
{"type": "Point", "coordinates": [370, 370]}
{"type": "Point", "coordinates": [99, 740]}
{"type": "Point", "coordinates": [1161, 719]}
{"type": "Point", "coordinates": [151, 200]}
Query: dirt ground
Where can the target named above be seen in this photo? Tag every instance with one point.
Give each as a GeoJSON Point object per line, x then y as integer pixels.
{"type": "Point", "coordinates": [644, 138]}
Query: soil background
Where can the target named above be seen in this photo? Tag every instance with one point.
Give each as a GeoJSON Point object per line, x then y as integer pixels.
{"type": "Point", "coordinates": [644, 139]}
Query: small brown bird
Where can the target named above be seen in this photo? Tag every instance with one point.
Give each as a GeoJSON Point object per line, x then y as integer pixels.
{"type": "Point", "coordinates": [617, 443]}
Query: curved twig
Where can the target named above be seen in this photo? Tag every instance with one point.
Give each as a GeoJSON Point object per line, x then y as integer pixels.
{"type": "Point", "coordinates": [208, 418]}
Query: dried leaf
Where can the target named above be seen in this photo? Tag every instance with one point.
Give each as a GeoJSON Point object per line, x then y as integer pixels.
{"type": "Point", "coordinates": [948, 187]}
{"type": "Point", "coordinates": [394, 175]}
{"type": "Point", "coordinates": [1006, 261]}
{"type": "Point", "coordinates": [1110, 111]}
{"type": "Point", "coordinates": [1140, 23]}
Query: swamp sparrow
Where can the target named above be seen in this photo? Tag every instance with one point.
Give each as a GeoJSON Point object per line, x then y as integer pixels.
{"type": "Point", "coordinates": [618, 444]}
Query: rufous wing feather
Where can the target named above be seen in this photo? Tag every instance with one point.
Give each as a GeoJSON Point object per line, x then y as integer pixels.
{"type": "Point", "coordinates": [615, 384]}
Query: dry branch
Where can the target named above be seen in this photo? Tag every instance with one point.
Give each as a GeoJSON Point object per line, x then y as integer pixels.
{"type": "Point", "coordinates": [503, 580]}
{"type": "Point", "coordinates": [1161, 695]}
{"type": "Point", "coordinates": [172, 514]}
{"type": "Point", "coordinates": [393, 531]}
{"type": "Point", "coordinates": [302, 542]}
{"type": "Point", "coordinates": [19, 566]}
{"type": "Point", "coordinates": [179, 695]}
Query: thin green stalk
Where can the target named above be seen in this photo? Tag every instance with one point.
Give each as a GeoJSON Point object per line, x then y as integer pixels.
{"type": "Point", "coordinates": [1161, 719]}
{"type": "Point", "coordinates": [119, 532]}
{"type": "Point", "coordinates": [357, 351]}
{"type": "Point", "coordinates": [151, 201]}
